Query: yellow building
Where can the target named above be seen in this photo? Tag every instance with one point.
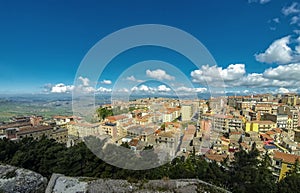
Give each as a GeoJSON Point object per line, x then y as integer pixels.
{"type": "Point", "coordinates": [251, 127]}
{"type": "Point", "coordinates": [283, 162]}
{"type": "Point", "coordinates": [260, 126]}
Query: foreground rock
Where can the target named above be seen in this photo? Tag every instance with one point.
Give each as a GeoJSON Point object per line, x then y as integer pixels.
{"type": "Point", "coordinates": [62, 184]}
{"type": "Point", "coordinates": [19, 180]}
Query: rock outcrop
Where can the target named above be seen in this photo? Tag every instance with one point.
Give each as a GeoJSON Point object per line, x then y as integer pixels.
{"type": "Point", "coordinates": [62, 184]}
{"type": "Point", "coordinates": [19, 180]}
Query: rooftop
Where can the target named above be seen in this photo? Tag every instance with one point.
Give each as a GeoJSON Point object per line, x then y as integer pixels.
{"type": "Point", "coordinates": [285, 157]}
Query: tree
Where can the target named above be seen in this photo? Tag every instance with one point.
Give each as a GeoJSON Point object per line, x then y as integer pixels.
{"type": "Point", "coordinates": [250, 175]}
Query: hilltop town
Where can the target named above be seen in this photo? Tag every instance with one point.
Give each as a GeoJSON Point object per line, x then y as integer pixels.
{"type": "Point", "coordinates": [215, 128]}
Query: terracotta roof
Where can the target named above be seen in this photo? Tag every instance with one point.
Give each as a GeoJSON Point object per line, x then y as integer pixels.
{"type": "Point", "coordinates": [174, 124]}
{"type": "Point", "coordinates": [166, 134]}
{"type": "Point", "coordinates": [285, 157]}
{"type": "Point", "coordinates": [223, 116]}
{"type": "Point", "coordinates": [134, 142]}
{"type": "Point", "coordinates": [266, 136]}
{"type": "Point", "coordinates": [277, 130]}
{"type": "Point", "coordinates": [270, 132]}
{"type": "Point", "coordinates": [235, 133]}
{"type": "Point", "coordinates": [225, 139]}
{"type": "Point", "coordinates": [14, 125]}
{"type": "Point", "coordinates": [215, 157]}
{"type": "Point", "coordinates": [63, 117]}
{"type": "Point", "coordinates": [27, 130]}
{"type": "Point", "coordinates": [243, 144]}
{"type": "Point", "coordinates": [116, 118]}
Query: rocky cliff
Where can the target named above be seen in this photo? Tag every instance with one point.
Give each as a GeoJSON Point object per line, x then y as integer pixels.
{"type": "Point", "coordinates": [62, 184]}
{"type": "Point", "coordinates": [19, 180]}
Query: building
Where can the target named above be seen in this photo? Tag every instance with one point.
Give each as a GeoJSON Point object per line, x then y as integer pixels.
{"type": "Point", "coordinates": [63, 120]}
{"type": "Point", "coordinates": [186, 112]}
{"type": "Point", "coordinates": [187, 139]}
{"type": "Point", "coordinates": [58, 134]}
{"type": "Point", "coordinates": [168, 140]}
{"type": "Point", "coordinates": [283, 162]}
{"type": "Point", "coordinates": [260, 126]}
{"type": "Point", "coordinates": [224, 123]}
{"type": "Point", "coordinates": [141, 131]}
{"type": "Point", "coordinates": [170, 114]}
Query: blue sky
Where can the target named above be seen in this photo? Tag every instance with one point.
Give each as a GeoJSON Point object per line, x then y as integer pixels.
{"type": "Point", "coordinates": [255, 43]}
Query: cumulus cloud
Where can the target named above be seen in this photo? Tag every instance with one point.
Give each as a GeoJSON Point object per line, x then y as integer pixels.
{"type": "Point", "coordinates": [106, 82]}
{"type": "Point", "coordinates": [292, 9]}
{"type": "Point", "coordinates": [147, 89]}
{"type": "Point", "coordinates": [144, 89]}
{"type": "Point", "coordinates": [188, 90]}
{"type": "Point", "coordinates": [259, 1]}
{"type": "Point", "coordinates": [102, 89]}
{"type": "Point", "coordinates": [159, 74]}
{"type": "Point", "coordinates": [61, 88]}
{"type": "Point", "coordinates": [278, 52]}
{"type": "Point", "coordinates": [276, 20]}
{"type": "Point", "coordinates": [163, 88]}
{"type": "Point", "coordinates": [213, 73]}
{"type": "Point", "coordinates": [295, 20]}
{"type": "Point", "coordinates": [122, 90]}
{"type": "Point", "coordinates": [85, 81]}
{"type": "Point", "coordinates": [282, 90]}
{"type": "Point", "coordinates": [286, 76]}
{"type": "Point", "coordinates": [133, 79]}
{"type": "Point", "coordinates": [286, 72]}
{"type": "Point", "coordinates": [82, 87]}
{"type": "Point", "coordinates": [253, 79]}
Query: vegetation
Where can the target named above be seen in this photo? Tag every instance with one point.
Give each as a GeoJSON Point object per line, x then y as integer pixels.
{"type": "Point", "coordinates": [245, 174]}
{"type": "Point", "coordinates": [106, 112]}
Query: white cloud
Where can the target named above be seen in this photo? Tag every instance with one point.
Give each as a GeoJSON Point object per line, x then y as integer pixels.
{"type": "Point", "coordinates": [86, 89]}
{"type": "Point", "coordinates": [188, 90]}
{"type": "Point", "coordinates": [133, 79]}
{"type": "Point", "coordinates": [85, 81]}
{"type": "Point", "coordinates": [296, 31]}
{"type": "Point", "coordinates": [277, 52]}
{"type": "Point", "coordinates": [287, 76]}
{"type": "Point", "coordinates": [276, 20]}
{"type": "Point", "coordinates": [213, 73]}
{"type": "Point", "coordinates": [259, 1]}
{"type": "Point", "coordinates": [106, 82]}
{"type": "Point", "coordinates": [233, 72]}
{"type": "Point", "coordinates": [61, 88]}
{"type": "Point", "coordinates": [286, 72]}
{"type": "Point", "coordinates": [147, 89]}
{"type": "Point", "coordinates": [102, 89]}
{"type": "Point", "coordinates": [142, 88]}
{"type": "Point", "coordinates": [163, 88]}
{"type": "Point", "coordinates": [292, 9]}
{"type": "Point", "coordinates": [159, 74]}
{"type": "Point", "coordinates": [295, 20]}
{"type": "Point", "coordinates": [282, 90]}
{"type": "Point", "coordinates": [82, 87]}
{"type": "Point", "coordinates": [253, 79]}
{"type": "Point", "coordinates": [122, 90]}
